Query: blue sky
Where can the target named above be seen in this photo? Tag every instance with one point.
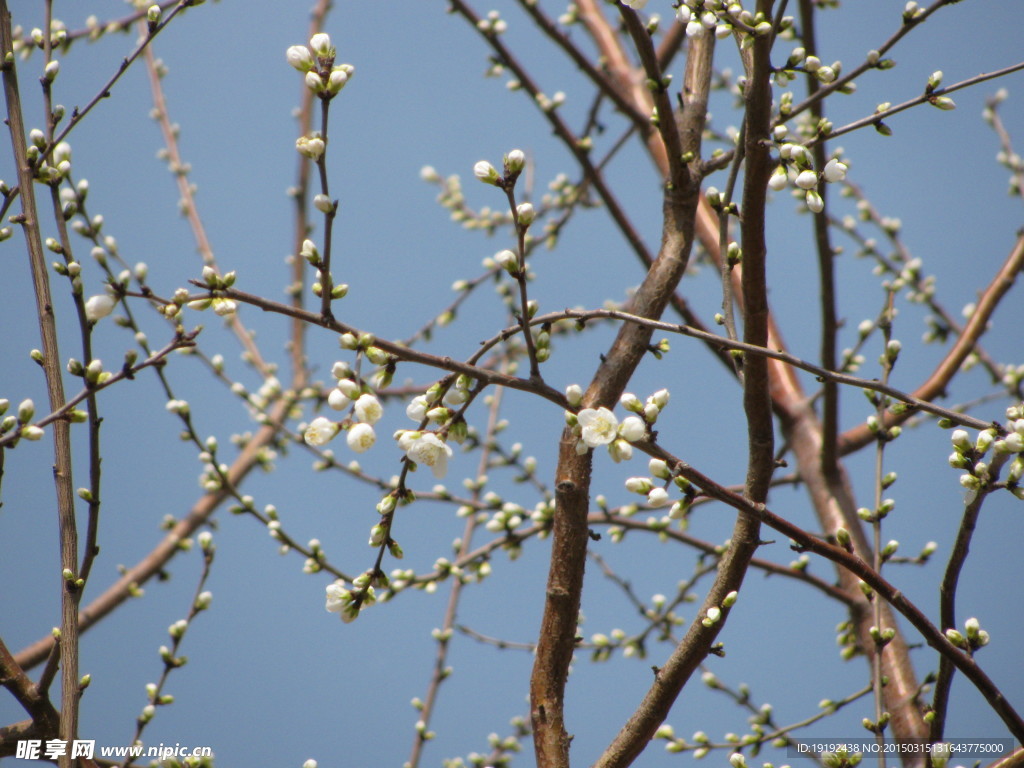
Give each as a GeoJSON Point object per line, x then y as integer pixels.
{"type": "Point", "coordinates": [272, 678]}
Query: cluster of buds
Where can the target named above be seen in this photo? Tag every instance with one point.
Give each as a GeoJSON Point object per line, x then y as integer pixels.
{"type": "Point", "coordinates": [655, 488]}
{"type": "Point", "coordinates": [216, 282]}
{"type": "Point", "coordinates": [970, 455]}
{"type": "Point", "coordinates": [493, 24]}
{"type": "Point", "coordinates": [513, 165]}
{"type": "Point", "coordinates": [22, 423]}
{"type": "Point", "coordinates": [311, 254]}
{"type": "Point", "coordinates": [364, 409]}
{"type": "Point", "coordinates": [599, 426]}
{"type": "Point", "coordinates": [797, 166]}
{"type": "Point", "coordinates": [323, 76]}
{"type": "Point", "coordinates": [722, 18]}
{"type": "Point", "coordinates": [971, 639]}
{"type": "Point", "coordinates": [348, 602]}
{"type": "Point", "coordinates": [57, 166]}
{"type": "Point", "coordinates": [427, 448]}
{"type": "Point", "coordinates": [799, 61]}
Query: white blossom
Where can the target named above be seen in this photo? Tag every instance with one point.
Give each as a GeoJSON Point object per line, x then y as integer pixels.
{"type": "Point", "coordinates": [310, 146]}
{"type": "Point", "coordinates": [368, 409]}
{"type": "Point", "coordinates": [337, 597]}
{"type": "Point", "coordinates": [361, 437]}
{"type": "Point", "coordinates": [636, 5]}
{"type": "Point", "coordinates": [426, 448]}
{"type": "Point", "coordinates": [417, 409]}
{"type": "Point", "coordinates": [599, 426]}
{"type": "Point", "coordinates": [320, 432]}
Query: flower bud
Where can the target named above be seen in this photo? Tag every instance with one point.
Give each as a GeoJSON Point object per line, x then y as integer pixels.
{"type": "Point", "coordinates": [486, 172]}
{"type": "Point", "coordinates": [807, 180]}
{"type": "Point", "coordinates": [26, 410]}
{"type": "Point", "coordinates": [574, 394]}
{"type": "Point", "coordinates": [320, 43]}
{"type": "Point", "coordinates": [300, 57]}
{"type": "Point", "coordinates": [778, 179]}
{"type": "Point", "coordinates": [337, 80]}
{"type": "Point", "coordinates": [834, 171]}
{"type": "Point", "coordinates": [641, 485]}
{"type": "Point", "coordinates": [515, 161]}
{"type": "Point", "coordinates": [526, 214]}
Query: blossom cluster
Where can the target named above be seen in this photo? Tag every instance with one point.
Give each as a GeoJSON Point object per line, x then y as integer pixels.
{"type": "Point", "coordinates": [513, 164]}
{"type": "Point", "coordinates": [657, 493]}
{"type": "Point", "coordinates": [971, 455]}
{"type": "Point", "coordinates": [719, 18]}
{"type": "Point", "coordinates": [796, 166]}
{"type": "Point", "coordinates": [22, 422]}
{"type": "Point", "coordinates": [323, 77]}
{"type": "Point", "coordinates": [347, 395]}
{"type": "Point", "coordinates": [348, 602]}
{"type": "Point", "coordinates": [599, 426]}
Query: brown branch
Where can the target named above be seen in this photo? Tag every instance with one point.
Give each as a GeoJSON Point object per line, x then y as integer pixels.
{"type": "Point", "coordinates": [156, 561]}
{"type": "Point", "coordinates": [637, 732]}
{"type": "Point", "coordinates": [64, 485]}
{"type": "Point", "coordinates": [859, 569]}
{"type": "Point", "coordinates": [947, 594]}
{"type": "Point", "coordinates": [935, 385]}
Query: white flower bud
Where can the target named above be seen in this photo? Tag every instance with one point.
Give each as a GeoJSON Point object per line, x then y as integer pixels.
{"type": "Point", "coordinates": [98, 307]}
{"type": "Point", "coordinates": [321, 45]}
{"type": "Point", "coordinates": [320, 432]}
{"type": "Point", "coordinates": [26, 410]}
{"type": "Point", "coordinates": [641, 485]}
{"type": "Point", "coordinates": [486, 172]}
{"type": "Point", "coordinates": [337, 80]}
{"type": "Point", "coordinates": [300, 58]}
{"type": "Point", "coordinates": [337, 400]}
{"type": "Point", "coordinates": [632, 429]}
{"type": "Point", "coordinates": [658, 497]}
{"type": "Point", "coordinates": [574, 394]}
{"type": "Point", "coordinates": [312, 146]}
{"type": "Point", "coordinates": [314, 82]}
{"type": "Point", "coordinates": [515, 161]}
{"type": "Point", "coordinates": [814, 201]}
{"type": "Point", "coordinates": [834, 171]}
{"type": "Point", "coordinates": [778, 178]}
{"type": "Point", "coordinates": [807, 180]}
{"type": "Point", "coordinates": [361, 437]}
{"type": "Point", "coordinates": [526, 214]}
